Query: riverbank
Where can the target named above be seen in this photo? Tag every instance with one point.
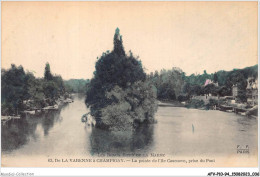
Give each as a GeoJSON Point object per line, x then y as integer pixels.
{"type": "Point", "coordinates": [240, 109]}
{"type": "Point", "coordinates": [58, 103]}
{"type": "Point", "coordinates": [31, 109]}
{"type": "Point", "coordinates": [169, 103]}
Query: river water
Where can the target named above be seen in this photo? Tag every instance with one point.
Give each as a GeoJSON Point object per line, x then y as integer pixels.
{"type": "Point", "coordinates": [178, 131]}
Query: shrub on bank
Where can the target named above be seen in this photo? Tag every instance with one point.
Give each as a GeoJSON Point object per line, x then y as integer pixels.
{"type": "Point", "coordinates": [212, 103]}
{"type": "Point", "coordinates": [195, 104]}
{"type": "Point", "coordinates": [182, 98]}
{"type": "Point", "coordinates": [131, 107]}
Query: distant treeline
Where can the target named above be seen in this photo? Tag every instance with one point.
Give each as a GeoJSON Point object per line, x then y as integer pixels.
{"type": "Point", "coordinates": [175, 85]}
{"type": "Point", "coordinates": [76, 85]}
{"type": "Point", "coordinates": [19, 86]}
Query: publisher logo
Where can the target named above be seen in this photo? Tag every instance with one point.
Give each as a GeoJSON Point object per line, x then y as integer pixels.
{"type": "Point", "coordinates": [242, 149]}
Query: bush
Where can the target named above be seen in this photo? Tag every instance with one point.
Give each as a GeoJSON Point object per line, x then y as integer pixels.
{"type": "Point", "coordinates": [182, 98]}
{"type": "Point", "coordinates": [131, 107]}
{"type": "Point", "coordinates": [212, 103]}
{"type": "Point", "coordinates": [195, 104]}
{"type": "Point", "coordinates": [166, 92]}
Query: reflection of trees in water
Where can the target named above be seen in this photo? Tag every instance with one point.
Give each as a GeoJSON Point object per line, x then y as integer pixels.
{"type": "Point", "coordinates": [17, 132]}
{"type": "Point", "coordinates": [245, 123]}
{"type": "Point", "coordinates": [102, 141]}
{"type": "Point", "coordinates": [48, 120]}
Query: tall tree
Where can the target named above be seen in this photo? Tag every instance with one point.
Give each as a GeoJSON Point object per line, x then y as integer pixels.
{"type": "Point", "coordinates": [114, 70]}
{"type": "Point", "coordinates": [215, 78]}
{"type": "Point", "coordinates": [47, 72]}
{"type": "Point", "coordinates": [118, 43]}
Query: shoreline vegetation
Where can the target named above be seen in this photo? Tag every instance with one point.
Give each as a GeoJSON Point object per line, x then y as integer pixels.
{"type": "Point", "coordinates": [23, 93]}
{"type": "Point", "coordinates": [121, 96]}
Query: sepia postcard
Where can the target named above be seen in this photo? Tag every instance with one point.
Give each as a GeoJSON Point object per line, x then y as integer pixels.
{"type": "Point", "coordinates": [129, 84]}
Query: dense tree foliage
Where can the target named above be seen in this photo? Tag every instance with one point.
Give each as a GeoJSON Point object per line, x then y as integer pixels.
{"type": "Point", "coordinates": [117, 71]}
{"type": "Point", "coordinates": [168, 83]}
{"type": "Point", "coordinates": [18, 86]}
{"type": "Point", "coordinates": [225, 79]}
{"type": "Point", "coordinates": [76, 85]}
{"type": "Point", "coordinates": [14, 89]}
{"type": "Point", "coordinates": [238, 79]}
{"type": "Point", "coordinates": [174, 84]}
{"type": "Point", "coordinates": [131, 106]}
{"type": "Point", "coordinates": [36, 90]}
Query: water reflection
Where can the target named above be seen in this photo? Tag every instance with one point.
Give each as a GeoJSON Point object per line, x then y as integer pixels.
{"type": "Point", "coordinates": [48, 121]}
{"type": "Point", "coordinates": [179, 131]}
{"type": "Point", "coordinates": [102, 141]}
{"type": "Point", "coordinates": [16, 133]}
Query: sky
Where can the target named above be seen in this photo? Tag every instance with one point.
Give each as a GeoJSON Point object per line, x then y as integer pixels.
{"type": "Point", "coordinates": [193, 36]}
